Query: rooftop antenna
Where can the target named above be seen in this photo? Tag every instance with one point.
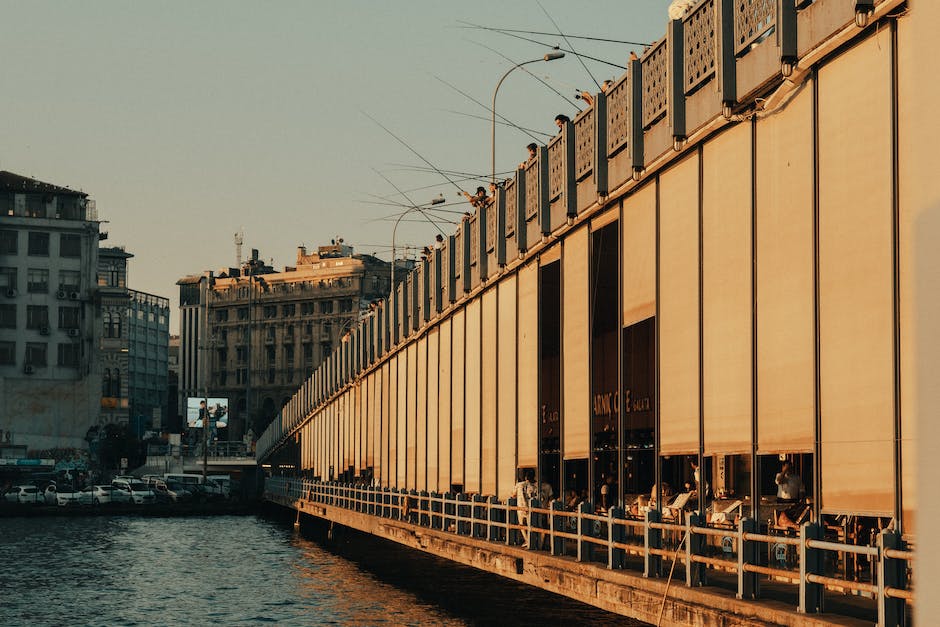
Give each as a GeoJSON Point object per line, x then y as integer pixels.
{"type": "Point", "coordinates": [239, 239]}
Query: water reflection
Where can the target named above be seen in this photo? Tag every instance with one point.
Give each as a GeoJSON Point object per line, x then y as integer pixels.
{"type": "Point", "coordinates": [245, 570]}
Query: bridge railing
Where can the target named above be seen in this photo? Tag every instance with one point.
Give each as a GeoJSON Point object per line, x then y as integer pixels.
{"type": "Point", "coordinates": [722, 555]}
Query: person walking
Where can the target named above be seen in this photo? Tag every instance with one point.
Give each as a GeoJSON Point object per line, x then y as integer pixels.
{"type": "Point", "coordinates": [524, 492]}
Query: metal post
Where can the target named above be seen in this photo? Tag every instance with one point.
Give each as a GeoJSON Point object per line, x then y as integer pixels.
{"type": "Point", "coordinates": [695, 545]}
{"type": "Point", "coordinates": [585, 530]}
{"type": "Point", "coordinates": [557, 522]}
{"type": "Point", "coordinates": [652, 539]}
{"type": "Point", "coordinates": [810, 564]}
{"type": "Point", "coordinates": [891, 574]}
{"type": "Point", "coordinates": [616, 532]}
{"type": "Point", "coordinates": [747, 554]}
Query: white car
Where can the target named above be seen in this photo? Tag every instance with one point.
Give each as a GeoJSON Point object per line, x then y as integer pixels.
{"type": "Point", "coordinates": [25, 494]}
{"type": "Point", "coordinates": [135, 492]}
{"type": "Point", "coordinates": [95, 495]}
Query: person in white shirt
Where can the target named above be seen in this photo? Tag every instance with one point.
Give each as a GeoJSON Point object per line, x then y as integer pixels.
{"type": "Point", "coordinates": [524, 492]}
{"type": "Point", "coordinates": [789, 484]}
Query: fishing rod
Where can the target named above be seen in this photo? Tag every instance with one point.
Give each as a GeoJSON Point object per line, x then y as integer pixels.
{"type": "Point", "coordinates": [413, 205]}
{"type": "Point", "coordinates": [486, 119]}
{"type": "Point", "coordinates": [467, 175]}
{"type": "Point", "coordinates": [542, 43]}
{"type": "Point", "coordinates": [418, 154]}
{"type": "Point", "coordinates": [488, 108]}
{"type": "Point", "coordinates": [527, 71]}
{"type": "Point", "coordinates": [535, 32]}
{"type": "Point", "coordinates": [580, 60]}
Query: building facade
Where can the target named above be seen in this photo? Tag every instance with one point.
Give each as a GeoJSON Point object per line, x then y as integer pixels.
{"type": "Point", "coordinates": [267, 331]}
{"type": "Point", "coordinates": [49, 336]}
{"type": "Point", "coordinates": [134, 348]}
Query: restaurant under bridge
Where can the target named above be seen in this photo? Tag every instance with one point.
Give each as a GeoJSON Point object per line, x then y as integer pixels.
{"type": "Point", "coordinates": [691, 315]}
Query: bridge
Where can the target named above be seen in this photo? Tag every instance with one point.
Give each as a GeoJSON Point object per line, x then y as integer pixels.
{"type": "Point", "coordinates": [711, 282]}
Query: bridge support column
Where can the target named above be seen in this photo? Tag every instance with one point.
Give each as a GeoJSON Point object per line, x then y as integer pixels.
{"type": "Point", "coordinates": [652, 539]}
{"type": "Point", "coordinates": [557, 524]}
{"type": "Point", "coordinates": [811, 563]}
{"type": "Point", "coordinates": [615, 533]}
{"type": "Point", "coordinates": [585, 530]}
{"type": "Point", "coordinates": [891, 574]}
{"type": "Point", "coordinates": [747, 554]}
{"type": "Point", "coordinates": [496, 516]}
{"type": "Point", "coordinates": [694, 545]}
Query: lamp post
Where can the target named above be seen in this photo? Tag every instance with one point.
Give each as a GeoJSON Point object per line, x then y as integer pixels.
{"type": "Point", "coordinates": [435, 201]}
{"type": "Point", "coordinates": [551, 56]}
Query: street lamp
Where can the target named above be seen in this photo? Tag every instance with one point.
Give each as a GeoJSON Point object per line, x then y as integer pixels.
{"type": "Point", "coordinates": [435, 201]}
{"type": "Point", "coordinates": [551, 56]}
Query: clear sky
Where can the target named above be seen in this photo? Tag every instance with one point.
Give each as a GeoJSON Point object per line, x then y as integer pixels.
{"type": "Point", "coordinates": [189, 121]}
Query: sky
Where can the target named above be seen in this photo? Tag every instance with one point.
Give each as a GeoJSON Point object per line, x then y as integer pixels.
{"type": "Point", "coordinates": [188, 122]}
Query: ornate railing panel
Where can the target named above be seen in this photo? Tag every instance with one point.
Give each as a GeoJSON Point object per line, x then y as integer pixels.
{"type": "Point", "coordinates": [474, 240]}
{"type": "Point", "coordinates": [491, 226]}
{"type": "Point", "coordinates": [752, 18]}
{"type": "Point", "coordinates": [618, 116]}
{"type": "Point", "coordinates": [532, 189]}
{"type": "Point", "coordinates": [511, 207]}
{"type": "Point", "coordinates": [700, 45]}
{"type": "Point", "coordinates": [655, 86]}
{"type": "Point", "coordinates": [584, 144]}
{"type": "Point", "coordinates": [556, 167]}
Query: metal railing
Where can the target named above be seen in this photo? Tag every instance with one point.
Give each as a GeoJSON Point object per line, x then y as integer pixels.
{"type": "Point", "coordinates": [800, 557]}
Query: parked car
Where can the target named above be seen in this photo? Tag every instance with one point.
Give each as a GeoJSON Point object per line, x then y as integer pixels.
{"type": "Point", "coordinates": [136, 492]}
{"type": "Point", "coordinates": [25, 494]}
{"type": "Point", "coordinates": [64, 496]}
{"type": "Point", "coordinates": [95, 495]}
{"type": "Point", "coordinates": [183, 492]}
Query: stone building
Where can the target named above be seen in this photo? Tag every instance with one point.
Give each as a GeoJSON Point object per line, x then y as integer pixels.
{"type": "Point", "coordinates": [50, 384]}
{"type": "Point", "coordinates": [267, 330]}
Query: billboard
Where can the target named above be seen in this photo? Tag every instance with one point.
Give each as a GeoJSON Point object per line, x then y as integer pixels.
{"type": "Point", "coordinates": [197, 407]}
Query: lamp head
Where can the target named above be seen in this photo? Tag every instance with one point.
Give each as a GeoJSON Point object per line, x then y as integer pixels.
{"type": "Point", "coordinates": [551, 56]}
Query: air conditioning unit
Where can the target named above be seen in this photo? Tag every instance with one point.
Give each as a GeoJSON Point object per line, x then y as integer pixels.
{"type": "Point", "coordinates": [43, 330]}
{"type": "Point", "coordinates": [73, 295]}
{"type": "Point", "coordinates": [74, 333]}
{"type": "Point", "coordinates": [61, 294]}
{"type": "Point", "coordinates": [11, 292]}
{"type": "Point", "coordinates": [28, 369]}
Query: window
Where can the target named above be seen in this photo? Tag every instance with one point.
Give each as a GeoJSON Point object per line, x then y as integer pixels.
{"type": "Point", "coordinates": [36, 354]}
{"type": "Point", "coordinates": [70, 280]}
{"type": "Point", "coordinates": [241, 376]}
{"type": "Point", "coordinates": [7, 316]}
{"type": "Point", "coordinates": [8, 242]}
{"type": "Point", "coordinates": [270, 311]}
{"type": "Point", "coordinates": [223, 333]}
{"type": "Point", "coordinates": [271, 373]}
{"type": "Point", "coordinates": [270, 352]}
{"type": "Point", "coordinates": [289, 332]}
{"type": "Point", "coordinates": [223, 377]}
{"type": "Point", "coordinates": [37, 280]}
{"type": "Point", "coordinates": [36, 206]}
{"type": "Point", "coordinates": [37, 316]}
{"type": "Point", "coordinates": [68, 355]}
{"type": "Point", "coordinates": [289, 353]}
{"type": "Point", "coordinates": [308, 353]}
{"type": "Point", "coordinates": [221, 315]}
{"type": "Point", "coordinates": [151, 317]}
{"type": "Point", "coordinates": [111, 324]}
{"type": "Point", "coordinates": [308, 329]}
{"type": "Point", "coordinates": [288, 310]}
{"type": "Point", "coordinates": [222, 355]}
{"type": "Point", "coordinates": [7, 353]}
{"type": "Point", "coordinates": [241, 354]}
{"type": "Point", "coordinates": [270, 334]}
{"type": "Point", "coordinates": [346, 305]}
{"type": "Point", "coordinates": [326, 306]}
{"type": "Point", "coordinates": [70, 245]}
{"type": "Point", "coordinates": [242, 313]}
{"type": "Point", "coordinates": [306, 308]}
{"type": "Point", "coordinates": [7, 279]}
{"type": "Point", "coordinates": [69, 317]}
{"type": "Point", "coordinates": [106, 382]}
{"type": "Point", "coordinates": [38, 244]}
